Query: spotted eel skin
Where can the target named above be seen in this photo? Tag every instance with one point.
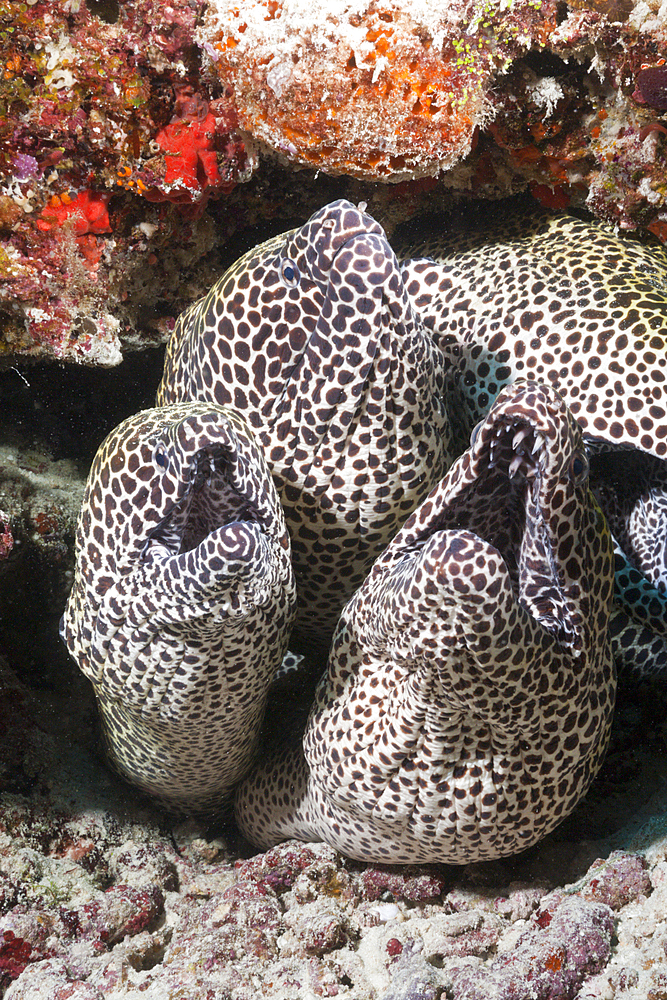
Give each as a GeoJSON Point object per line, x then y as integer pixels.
{"type": "Point", "coordinates": [312, 337]}
{"type": "Point", "coordinates": [523, 292]}
{"type": "Point", "coordinates": [183, 599]}
{"type": "Point", "coordinates": [470, 687]}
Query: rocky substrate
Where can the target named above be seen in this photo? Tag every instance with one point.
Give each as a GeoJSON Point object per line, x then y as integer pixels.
{"type": "Point", "coordinates": [103, 895]}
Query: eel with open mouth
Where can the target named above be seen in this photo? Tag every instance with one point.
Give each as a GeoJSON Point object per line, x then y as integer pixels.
{"type": "Point", "coordinates": [183, 599]}
{"type": "Point", "coordinates": [514, 291]}
{"type": "Point", "coordinates": [470, 688]}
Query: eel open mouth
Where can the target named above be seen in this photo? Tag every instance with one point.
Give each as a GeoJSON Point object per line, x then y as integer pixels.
{"type": "Point", "coordinates": [210, 499]}
{"type": "Point", "coordinates": [504, 466]}
{"type": "Point", "coordinates": [515, 450]}
{"type": "Point", "coordinates": [514, 490]}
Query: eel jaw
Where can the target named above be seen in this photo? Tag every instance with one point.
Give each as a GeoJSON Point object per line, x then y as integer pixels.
{"type": "Point", "coordinates": [514, 457]}
{"type": "Point", "coordinates": [516, 450]}
{"type": "Point", "coordinates": [208, 500]}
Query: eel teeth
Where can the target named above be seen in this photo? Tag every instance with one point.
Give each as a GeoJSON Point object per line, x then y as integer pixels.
{"type": "Point", "coordinates": [515, 465]}
{"type": "Point", "coordinates": [521, 436]}
{"type": "Point", "coordinates": [203, 470]}
{"type": "Point", "coordinates": [517, 447]}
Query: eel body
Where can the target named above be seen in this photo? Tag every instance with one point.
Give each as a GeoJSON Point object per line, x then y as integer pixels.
{"type": "Point", "coordinates": [470, 687]}
{"type": "Point", "coordinates": [516, 291]}
{"type": "Point", "coordinates": [183, 599]}
{"type": "Point", "coordinates": [310, 403]}
{"type": "Point", "coordinates": [312, 337]}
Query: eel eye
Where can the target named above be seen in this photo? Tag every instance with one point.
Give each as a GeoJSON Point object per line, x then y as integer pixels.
{"type": "Point", "coordinates": [161, 459]}
{"type": "Point", "coordinates": [578, 470]}
{"type": "Point", "coordinates": [289, 273]}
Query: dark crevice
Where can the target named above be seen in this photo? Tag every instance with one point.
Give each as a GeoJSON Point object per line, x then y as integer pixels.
{"type": "Point", "coordinates": [107, 10]}
{"type": "Point", "coordinates": [71, 409]}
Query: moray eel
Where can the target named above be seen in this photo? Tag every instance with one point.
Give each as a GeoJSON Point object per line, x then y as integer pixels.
{"type": "Point", "coordinates": [517, 291]}
{"type": "Point", "coordinates": [183, 599]}
{"type": "Point", "coordinates": [470, 687]}
{"type": "Point", "coordinates": [311, 336]}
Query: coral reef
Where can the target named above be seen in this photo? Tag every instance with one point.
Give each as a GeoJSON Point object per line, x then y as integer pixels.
{"type": "Point", "coordinates": [130, 142]}
{"type": "Point", "coordinates": [129, 133]}
{"type": "Point", "coordinates": [375, 91]}
{"type": "Point", "coordinates": [537, 91]}
{"type": "Point", "coordinates": [104, 124]}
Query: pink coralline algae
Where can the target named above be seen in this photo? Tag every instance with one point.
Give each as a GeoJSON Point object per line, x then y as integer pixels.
{"type": "Point", "coordinates": [14, 956]}
{"type": "Point", "coordinates": [122, 911]}
{"type": "Point", "coordinates": [6, 537]}
{"type": "Point", "coordinates": [550, 961]}
{"type": "Point", "coordinates": [617, 880]}
{"type": "Point", "coordinates": [279, 868]}
{"type": "Point", "coordinates": [402, 883]}
{"type": "Point", "coordinates": [651, 87]}
{"type": "Point", "coordinates": [308, 872]}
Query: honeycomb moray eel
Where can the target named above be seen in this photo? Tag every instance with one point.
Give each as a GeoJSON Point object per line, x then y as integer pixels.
{"type": "Point", "coordinates": [183, 599]}
{"type": "Point", "coordinates": [312, 337]}
{"type": "Point", "coordinates": [470, 686]}
{"type": "Point", "coordinates": [517, 291]}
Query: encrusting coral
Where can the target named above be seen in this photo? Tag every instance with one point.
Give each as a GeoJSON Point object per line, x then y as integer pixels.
{"type": "Point", "coordinates": [157, 112]}
{"type": "Point", "coordinates": [104, 119]}
{"type": "Point", "coordinates": [532, 91]}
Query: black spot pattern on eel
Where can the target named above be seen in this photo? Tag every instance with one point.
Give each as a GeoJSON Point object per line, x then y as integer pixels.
{"type": "Point", "coordinates": [183, 599]}
{"type": "Point", "coordinates": [470, 688]}
{"type": "Point", "coordinates": [520, 292]}
{"type": "Point", "coordinates": [313, 338]}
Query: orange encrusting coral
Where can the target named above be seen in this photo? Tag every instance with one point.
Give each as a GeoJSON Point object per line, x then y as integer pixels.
{"type": "Point", "coordinates": [380, 100]}
{"type": "Point", "coordinates": [383, 90]}
{"type": "Point", "coordinates": [88, 215]}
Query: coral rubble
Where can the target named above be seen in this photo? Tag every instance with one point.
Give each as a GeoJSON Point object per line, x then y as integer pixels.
{"type": "Point", "coordinates": [103, 896]}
